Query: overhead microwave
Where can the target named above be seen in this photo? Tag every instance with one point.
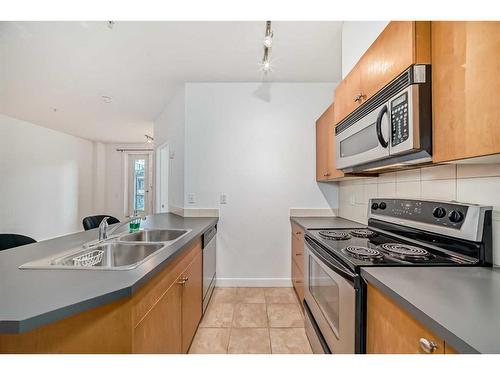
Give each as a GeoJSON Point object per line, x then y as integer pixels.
{"type": "Point", "coordinates": [392, 129]}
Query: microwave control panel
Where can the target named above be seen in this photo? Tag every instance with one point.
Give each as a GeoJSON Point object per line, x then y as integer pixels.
{"type": "Point", "coordinates": [399, 119]}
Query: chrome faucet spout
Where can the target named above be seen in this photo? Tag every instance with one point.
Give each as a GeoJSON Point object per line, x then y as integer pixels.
{"type": "Point", "coordinates": [104, 233]}
{"type": "Point", "coordinates": [103, 229]}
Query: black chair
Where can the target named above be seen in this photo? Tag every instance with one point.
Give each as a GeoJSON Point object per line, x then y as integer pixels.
{"type": "Point", "coordinates": [92, 222]}
{"type": "Point", "coordinates": [10, 240]}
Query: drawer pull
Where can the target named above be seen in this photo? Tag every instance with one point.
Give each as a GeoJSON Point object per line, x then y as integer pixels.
{"type": "Point", "coordinates": [298, 282]}
{"type": "Point", "coordinates": [298, 233]}
{"type": "Point", "coordinates": [297, 254]}
{"type": "Point", "coordinates": [428, 346]}
{"type": "Point", "coordinates": [326, 174]}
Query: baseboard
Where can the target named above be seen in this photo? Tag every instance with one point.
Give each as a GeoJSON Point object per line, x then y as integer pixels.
{"type": "Point", "coordinates": [253, 282]}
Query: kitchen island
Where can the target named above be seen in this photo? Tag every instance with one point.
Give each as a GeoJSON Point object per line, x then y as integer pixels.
{"type": "Point", "coordinates": [41, 310]}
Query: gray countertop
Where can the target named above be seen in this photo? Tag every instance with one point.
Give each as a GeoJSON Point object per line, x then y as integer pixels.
{"type": "Point", "coordinates": [325, 222]}
{"type": "Point", "coordinates": [459, 304]}
{"type": "Point", "coordinates": [31, 298]}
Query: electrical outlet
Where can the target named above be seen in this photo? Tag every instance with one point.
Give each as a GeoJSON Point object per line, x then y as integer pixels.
{"type": "Point", "coordinates": [223, 198]}
{"type": "Point", "coordinates": [191, 198]}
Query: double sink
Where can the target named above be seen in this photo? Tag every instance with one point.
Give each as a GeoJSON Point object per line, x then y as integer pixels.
{"type": "Point", "coordinates": [124, 252]}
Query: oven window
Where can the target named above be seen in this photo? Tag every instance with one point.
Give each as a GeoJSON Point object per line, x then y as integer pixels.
{"type": "Point", "coordinates": [326, 293]}
{"type": "Point", "coordinates": [364, 140]}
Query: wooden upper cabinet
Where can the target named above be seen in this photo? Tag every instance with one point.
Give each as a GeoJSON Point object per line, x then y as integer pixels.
{"type": "Point", "coordinates": [465, 84]}
{"type": "Point", "coordinates": [325, 147]}
{"type": "Point", "coordinates": [401, 44]}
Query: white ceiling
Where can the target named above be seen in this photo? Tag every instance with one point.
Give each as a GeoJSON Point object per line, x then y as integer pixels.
{"type": "Point", "coordinates": [55, 73]}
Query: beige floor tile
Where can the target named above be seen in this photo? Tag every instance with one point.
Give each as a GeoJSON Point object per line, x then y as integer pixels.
{"type": "Point", "coordinates": [284, 315]}
{"type": "Point", "coordinates": [289, 341]}
{"type": "Point", "coordinates": [280, 295]}
{"type": "Point", "coordinates": [210, 341]}
{"type": "Point", "coordinates": [250, 295]}
{"type": "Point", "coordinates": [249, 341]}
{"type": "Point", "coordinates": [250, 315]}
{"type": "Point", "coordinates": [224, 295]}
{"type": "Point", "coordinates": [218, 315]}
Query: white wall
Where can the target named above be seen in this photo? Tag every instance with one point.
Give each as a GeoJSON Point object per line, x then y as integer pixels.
{"type": "Point", "coordinates": [46, 180]}
{"type": "Point", "coordinates": [169, 127]}
{"type": "Point", "coordinates": [357, 36]}
{"type": "Point", "coordinates": [469, 183]}
{"type": "Point", "coordinates": [255, 143]}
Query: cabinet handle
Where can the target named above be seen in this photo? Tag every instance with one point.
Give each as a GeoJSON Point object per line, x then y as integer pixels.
{"type": "Point", "coordinates": [298, 233]}
{"type": "Point", "coordinates": [326, 174]}
{"type": "Point", "coordinates": [359, 97]}
{"type": "Point", "coordinates": [183, 281]}
{"type": "Point", "coordinates": [428, 346]}
{"type": "Point", "coordinates": [298, 282]}
{"type": "Point", "coordinates": [296, 254]}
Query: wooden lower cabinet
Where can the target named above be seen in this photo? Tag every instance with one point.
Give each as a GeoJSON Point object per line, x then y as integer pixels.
{"type": "Point", "coordinates": [161, 329]}
{"type": "Point", "coordinates": [161, 317]}
{"type": "Point", "coordinates": [191, 301]}
{"type": "Point", "coordinates": [392, 330]}
{"type": "Point", "coordinates": [298, 260]}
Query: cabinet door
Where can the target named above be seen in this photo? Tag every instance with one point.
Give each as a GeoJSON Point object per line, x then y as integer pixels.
{"type": "Point", "coordinates": [298, 280]}
{"type": "Point", "coordinates": [347, 95]}
{"type": "Point", "coordinates": [160, 330]}
{"type": "Point", "coordinates": [191, 301]}
{"type": "Point", "coordinates": [391, 330]}
{"type": "Point", "coordinates": [325, 146]}
{"type": "Point", "coordinates": [465, 85]}
{"type": "Point", "coordinates": [401, 44]}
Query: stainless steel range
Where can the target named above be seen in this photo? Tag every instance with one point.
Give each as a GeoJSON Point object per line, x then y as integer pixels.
{"type": "Point", "coordinates": [400, 232]}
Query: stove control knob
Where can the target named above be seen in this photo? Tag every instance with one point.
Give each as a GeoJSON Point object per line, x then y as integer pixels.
{"type": "Point", "coordinates": [374, 206]}
{"type": "Point", "coordinates": [439, 212]}
{"type": "Point", "coordinates": [382, 205]}
{"type": "Point", "coordinates": [456, 216]}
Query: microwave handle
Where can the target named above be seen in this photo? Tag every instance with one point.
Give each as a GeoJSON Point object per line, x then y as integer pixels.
{"type": "Point", "coordinates": [380, 136]}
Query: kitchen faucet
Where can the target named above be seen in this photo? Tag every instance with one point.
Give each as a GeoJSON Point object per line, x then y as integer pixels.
{"type": "Point", "coordinates": [103, 227]}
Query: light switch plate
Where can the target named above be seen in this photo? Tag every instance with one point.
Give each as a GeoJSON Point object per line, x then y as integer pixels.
{"type": "Point", "coordinates": [191, 198]}
{"type": "Point", "coordinates": [223, 198]}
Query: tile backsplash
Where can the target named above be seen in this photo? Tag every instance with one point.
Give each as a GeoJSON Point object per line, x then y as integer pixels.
{"type": "Point", "coordinates": [470, 183]}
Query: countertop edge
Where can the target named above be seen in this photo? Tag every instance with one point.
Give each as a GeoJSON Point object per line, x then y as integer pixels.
{"type": "Point", "coordinates": [456, 342]}
{"type": "Point", "coordinates": [31, 323]}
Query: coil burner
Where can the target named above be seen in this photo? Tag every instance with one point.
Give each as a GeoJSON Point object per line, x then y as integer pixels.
{"type": "Point", "coordinates": [362, 233]}
{"type": "Point", "coordinates": [405, 252]}
{"type": "Point", "coordinates": [361, 252]}
{"type": "Point", "coordinates": [334, 235]}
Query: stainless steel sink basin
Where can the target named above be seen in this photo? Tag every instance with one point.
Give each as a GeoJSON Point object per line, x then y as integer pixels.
{"type": "Point", "coordinates": [154, 235]}
{"type": "Point", "coordinates": [106, 256]}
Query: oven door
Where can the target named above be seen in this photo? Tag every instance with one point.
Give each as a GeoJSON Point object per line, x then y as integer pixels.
{"type": "Point", "coordinates": [365, 141]}
{"type": "Point", "coordinates": [332, 295]}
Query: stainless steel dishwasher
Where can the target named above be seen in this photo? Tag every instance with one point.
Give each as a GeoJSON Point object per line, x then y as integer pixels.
{"type": "Point", "coordinates": [209, 264]}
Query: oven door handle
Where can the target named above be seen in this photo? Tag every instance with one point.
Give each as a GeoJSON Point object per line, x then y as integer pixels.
{"type": "Point", "coordinates": [380, 136]}
{"type": "Point", "coordinates": [331, 262]}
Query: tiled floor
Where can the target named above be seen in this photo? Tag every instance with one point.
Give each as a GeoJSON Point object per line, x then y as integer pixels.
{"type": "Point", "coordinates": [252, 321]}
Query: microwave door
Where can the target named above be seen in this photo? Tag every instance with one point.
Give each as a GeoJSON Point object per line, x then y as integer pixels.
{"type": "Point", "coordinates": [365, 141]}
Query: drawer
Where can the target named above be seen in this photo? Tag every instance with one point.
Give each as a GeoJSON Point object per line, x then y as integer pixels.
{"type": "Point", "coordinates": [297, 231]}
{"type": "Point", "coordinates": [297, 249]}
{"type": "Point", "coordinates": [298, 281]}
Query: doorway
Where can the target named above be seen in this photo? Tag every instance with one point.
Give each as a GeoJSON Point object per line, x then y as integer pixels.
{"type": "Point", "coordinates": [139, 184]}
